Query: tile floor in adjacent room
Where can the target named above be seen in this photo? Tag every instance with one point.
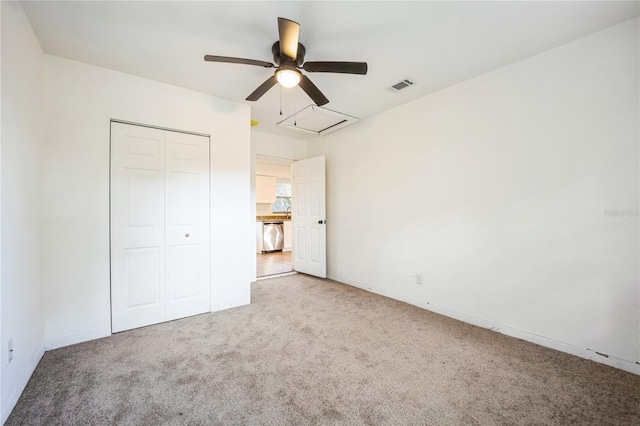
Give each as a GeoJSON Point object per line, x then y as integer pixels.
{"type": "Point", "coordinates": [273, 263]}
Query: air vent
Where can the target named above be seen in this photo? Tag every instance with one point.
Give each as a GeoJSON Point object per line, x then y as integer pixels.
{"type": "Point", "coordinates": [317, 120]}
{"type": "Point", "coordinates": [401, 85]}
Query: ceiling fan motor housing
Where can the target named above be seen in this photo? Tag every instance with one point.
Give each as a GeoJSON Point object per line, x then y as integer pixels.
{"type": "Point", "coordinates": [284, 60]}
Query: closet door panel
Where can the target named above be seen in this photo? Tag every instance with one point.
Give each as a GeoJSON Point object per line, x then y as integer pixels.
{"type": "Point", "coordinates": [137, 226]}
{"type": "Point", "coordinates": [187, 225]}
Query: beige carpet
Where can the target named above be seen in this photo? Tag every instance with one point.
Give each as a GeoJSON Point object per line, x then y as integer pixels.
{"type": "Point", "coordinates": [310, 351]}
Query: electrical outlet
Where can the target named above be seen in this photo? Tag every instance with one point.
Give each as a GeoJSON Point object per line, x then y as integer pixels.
{"type": "Point", "coordinates": [10, 348]}
{"type": "Point", "coordinates": [419, 279]}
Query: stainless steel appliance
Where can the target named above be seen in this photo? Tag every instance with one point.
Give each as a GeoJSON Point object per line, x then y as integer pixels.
{"type": "Point", "coordinates": [272, 236]}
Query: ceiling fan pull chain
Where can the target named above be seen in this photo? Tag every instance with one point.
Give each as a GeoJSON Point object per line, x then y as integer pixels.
{"type": "Point", "coordinates": [280, 100]}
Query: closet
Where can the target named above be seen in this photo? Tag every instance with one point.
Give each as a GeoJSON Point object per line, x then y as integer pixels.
{"type": "Point", "coordinates": [160, 232]}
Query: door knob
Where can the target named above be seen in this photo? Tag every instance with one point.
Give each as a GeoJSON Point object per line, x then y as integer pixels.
{"type": "Point", "coordinates": [322, 222]}
{"type": "Point", "coordinates": [186, 235]}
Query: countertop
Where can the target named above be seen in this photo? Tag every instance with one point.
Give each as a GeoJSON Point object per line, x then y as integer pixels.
{"type": "Point", "coordinates": [282, 217]}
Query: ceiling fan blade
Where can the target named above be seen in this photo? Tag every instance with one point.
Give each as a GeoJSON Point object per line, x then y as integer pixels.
{"type": "Point", "coordinates": [227, 59]}
{"type": "Point", "coordinates": [314, 93]}
{"type": "Point", "coordinates": [339, 67]}
{"type": "Point", "coordinates": [289, 33]}
{"type": "Point", "coordinates": [264, 88]}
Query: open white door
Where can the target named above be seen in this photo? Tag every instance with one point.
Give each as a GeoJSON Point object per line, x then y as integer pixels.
{"type": "Point", "coordinates": [308, 192]}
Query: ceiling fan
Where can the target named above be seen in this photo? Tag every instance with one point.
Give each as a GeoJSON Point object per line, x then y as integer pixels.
{"type": "Point", "coordinates": [288, 56]}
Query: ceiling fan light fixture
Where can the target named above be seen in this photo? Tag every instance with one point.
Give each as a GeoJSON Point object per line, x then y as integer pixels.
{"type": "Point", "coordinates": [288, 77]}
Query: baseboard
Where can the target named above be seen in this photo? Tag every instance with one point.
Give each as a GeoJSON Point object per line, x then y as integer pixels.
{"type": "Point", "coordinates": [228, 305]}
{"type": "Point", "coordinates": [72, 339]}
{"type": "Point", "coordinates": [549, 342]}
{"type": "Point", "coordinates": [7, 408]}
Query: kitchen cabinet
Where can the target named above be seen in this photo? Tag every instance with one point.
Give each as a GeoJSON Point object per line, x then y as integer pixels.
{"type": "Point", "coordinates": [265, 189]}
{"type": "Point", "coordinates": [288, 240]}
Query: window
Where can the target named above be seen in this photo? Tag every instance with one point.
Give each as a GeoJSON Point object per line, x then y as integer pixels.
{"type": "Point", "coordinates": [283, 198]}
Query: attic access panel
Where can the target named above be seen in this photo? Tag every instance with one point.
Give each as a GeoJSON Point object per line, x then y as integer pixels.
{"type": "Point", "coordinates": [317, 120]}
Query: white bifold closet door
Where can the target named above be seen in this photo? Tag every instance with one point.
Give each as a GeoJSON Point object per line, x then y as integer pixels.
{"type": "Point", "coordinates": [160, 263]}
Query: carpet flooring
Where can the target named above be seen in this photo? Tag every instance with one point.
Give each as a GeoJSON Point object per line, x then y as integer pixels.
{"type": "Point", "coordinates": [312, 351]}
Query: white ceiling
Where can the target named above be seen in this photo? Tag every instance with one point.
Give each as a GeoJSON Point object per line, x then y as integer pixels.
{"type": "Point", "coordinates": [437, 44]}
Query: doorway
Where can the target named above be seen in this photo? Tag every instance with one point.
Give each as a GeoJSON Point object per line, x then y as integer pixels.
{"type": "Point", "coordinates": [273, 217]}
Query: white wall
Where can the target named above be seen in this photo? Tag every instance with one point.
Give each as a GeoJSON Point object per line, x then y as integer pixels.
{"type": "Point", "coordinates": [2, 417]}
{"type": "Point", "coordinates": [275, 146]}
{"type": "Point", "coordinates": [21, 224]}
{"type": "Point", "coordinates": [80, 100]}
{"type": "Point", "coordinates": [496, 191]}
{"type": "Point", "coordinates": [281, 170]}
